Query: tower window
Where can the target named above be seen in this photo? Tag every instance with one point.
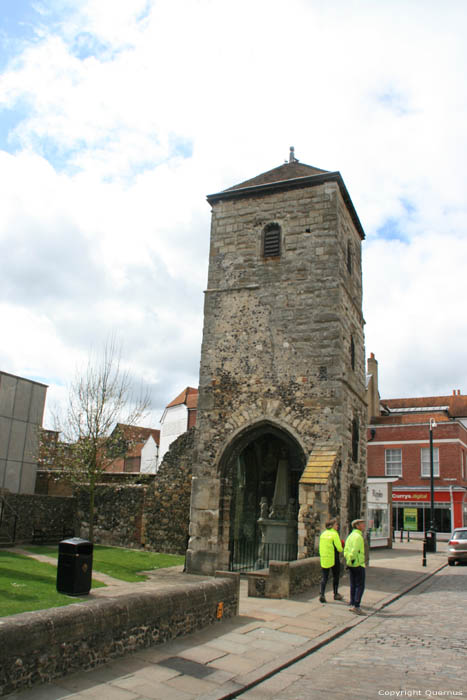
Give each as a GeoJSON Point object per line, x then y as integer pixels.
{"type": "Point", "coordinates": [352, 352]}
{"type": "Point", "coordinates": [349, 258]}
{"type": "Point", "coordinates": [355, 440]}
{"type": "Point", "coordinates": [271, 241]}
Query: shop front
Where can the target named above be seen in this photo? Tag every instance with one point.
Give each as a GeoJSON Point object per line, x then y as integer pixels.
{"type": "Point", "coordinates": [379, 490]}
{"type": "Point", "coordinates": [411, 509]}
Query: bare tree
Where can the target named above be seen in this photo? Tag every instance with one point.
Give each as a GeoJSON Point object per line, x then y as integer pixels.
{"type": "Point", "coordinates": [98, 398]}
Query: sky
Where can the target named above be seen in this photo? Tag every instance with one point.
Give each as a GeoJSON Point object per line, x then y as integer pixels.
{"type": "Point", "coordinates": [118, 117]}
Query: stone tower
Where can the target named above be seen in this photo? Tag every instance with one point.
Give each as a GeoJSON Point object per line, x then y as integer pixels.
{"type": "Point", "coordinates": [281, 421]}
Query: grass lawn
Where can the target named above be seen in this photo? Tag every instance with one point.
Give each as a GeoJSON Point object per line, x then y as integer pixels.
{"type": "Point", "coordinates": [124, 564]}
{"type": "Point", "coordinates": [27, 584]}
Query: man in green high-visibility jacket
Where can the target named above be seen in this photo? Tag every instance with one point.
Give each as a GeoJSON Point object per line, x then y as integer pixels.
{"type": "Point", "coordinates": [329, 547]}
{"type": "Point", "coordinates": [354, 554]}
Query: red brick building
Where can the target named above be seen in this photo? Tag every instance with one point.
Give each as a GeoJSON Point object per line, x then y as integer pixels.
{"type": "Point", "coordinates": [399, 446]}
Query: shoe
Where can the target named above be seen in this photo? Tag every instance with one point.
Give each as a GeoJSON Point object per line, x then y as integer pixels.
{"type": "Point", "coordinates": [351, 608]}
{"type": "Point", "coordinates": [322, 599]}
{"type": "Point", "coordinates": [338, 596]}
{"type": "Point", "coordinates": [357, 611]}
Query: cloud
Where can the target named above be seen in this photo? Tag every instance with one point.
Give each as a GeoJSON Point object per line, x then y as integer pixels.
{"type": "Point", "coordinates": [117, 118]}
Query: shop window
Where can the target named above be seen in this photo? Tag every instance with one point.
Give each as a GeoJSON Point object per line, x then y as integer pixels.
{"type": "Point", "coordinates": [441, 515]}
{"type": "Point", "coordinates": [425, 461]}
{"type": "Point", "coordinates": [378, 520]}
{"type": "Point", "coordinates": [272, 241]}
{"type": "Point", "coordinates": [393, 460]}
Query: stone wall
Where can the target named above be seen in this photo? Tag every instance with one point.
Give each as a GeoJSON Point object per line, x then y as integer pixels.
{"type": "Point", "coordinates": [144, 510]}
{"type": "Point", "coordinates": [117, 516]}
{"type": "Point", "coordinates": [54, 515]}
{"type": "Point", "coordinates": [167, 507]}
{"type": "Point", "coordinates": [39, 646]}
{"type": "Point", "coordinates": [284, 579]}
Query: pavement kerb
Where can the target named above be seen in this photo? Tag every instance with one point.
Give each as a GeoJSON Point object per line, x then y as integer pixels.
{"type": "Point", "coordinates": [250, 680]}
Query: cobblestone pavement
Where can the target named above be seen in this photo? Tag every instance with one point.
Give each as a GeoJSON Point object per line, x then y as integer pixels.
{"type": "Point", "coordinates": [415, 647]}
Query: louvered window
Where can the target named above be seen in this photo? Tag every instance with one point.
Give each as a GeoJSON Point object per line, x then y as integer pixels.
{"type": "Point", "coordinates": [272, 241]}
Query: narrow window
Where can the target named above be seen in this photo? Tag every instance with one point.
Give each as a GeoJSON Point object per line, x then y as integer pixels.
{"type": "Point", "coordinates": [393, 462]}
{"type": "Point", "coordinates": [355, 440]}
{"type": "Point", "coordinates": [352, 352]}
{"type": "Point", "coordinates": [272, 241]}
{"type": "Point", "coordinates": [426, 461]}
{"type": "Point", "coordinates": [349, 257]}
{"type": "Point", "coordinates": [354, 503]}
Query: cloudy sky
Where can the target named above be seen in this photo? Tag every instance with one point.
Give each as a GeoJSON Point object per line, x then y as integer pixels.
{"type": "Point", "coordinates": [118, 117]}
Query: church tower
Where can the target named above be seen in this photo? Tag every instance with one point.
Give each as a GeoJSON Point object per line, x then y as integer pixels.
{"type": "Point", "coordinates": [280, 436]}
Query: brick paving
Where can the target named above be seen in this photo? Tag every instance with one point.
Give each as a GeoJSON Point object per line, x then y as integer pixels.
{"type": "Point", "coordinates": [226, 659]}
{"type": "Point", "coordinates": [415, 647]}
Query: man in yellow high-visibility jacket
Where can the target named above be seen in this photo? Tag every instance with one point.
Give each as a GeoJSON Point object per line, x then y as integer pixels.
{"type": "Point", "coordinates": [329, 547]}
{"type": "Point", "coordinates": [354, 554]}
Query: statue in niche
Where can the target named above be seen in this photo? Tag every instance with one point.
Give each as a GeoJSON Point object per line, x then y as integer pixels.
{"type": "Point", "coordinates": [263, 508]}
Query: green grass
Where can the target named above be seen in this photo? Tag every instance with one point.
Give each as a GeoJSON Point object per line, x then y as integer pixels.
{"type": "Point", "coordinates": [27, 584]}
{"type": "Point", "coordinates": [124, 564]}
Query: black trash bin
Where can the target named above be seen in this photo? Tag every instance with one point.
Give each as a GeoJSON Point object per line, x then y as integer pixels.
{"type": "Point", "coordinates": [74, 569]}
{"type": "Point", "coordinates": [430, 541]}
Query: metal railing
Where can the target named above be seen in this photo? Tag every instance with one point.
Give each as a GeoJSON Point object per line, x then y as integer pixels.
{"type": "Point", "coordinates": [248, 555]}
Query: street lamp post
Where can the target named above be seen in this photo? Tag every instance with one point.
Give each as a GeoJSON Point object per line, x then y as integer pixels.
{"type": "Point", "coordinates": [432, 532]}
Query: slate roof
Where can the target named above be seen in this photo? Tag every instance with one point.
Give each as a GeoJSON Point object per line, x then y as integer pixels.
{"type": "Point", "coordinates": [438, 407]}
{"type": "Point", "coordinates": [286, 177]}
{"type": "Point", "coordinates": [287, 171]}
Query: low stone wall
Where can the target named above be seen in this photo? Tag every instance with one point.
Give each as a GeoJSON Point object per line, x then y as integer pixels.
{"type": "Point", "coordinates": [284, 579]}
{"type": "Point", "coordinates": [39, 646]}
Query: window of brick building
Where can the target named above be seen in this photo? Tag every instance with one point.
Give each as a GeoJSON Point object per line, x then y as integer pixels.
{"type": "Point", "coordinates": [393, 460]}
{"type": "Point", "coordinates": [425, 460]}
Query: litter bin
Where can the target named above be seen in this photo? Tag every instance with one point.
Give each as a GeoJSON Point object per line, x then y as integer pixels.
{"type": "Point", "coordinates": [74, 569]}
{"type": "Point", "coordinates": [430, 541]}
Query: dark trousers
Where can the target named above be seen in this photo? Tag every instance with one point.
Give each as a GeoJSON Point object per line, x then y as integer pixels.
{"type": "Point", "coordinates": [357, 584]}
{"type": "Point", "coordinates": [335, 576]}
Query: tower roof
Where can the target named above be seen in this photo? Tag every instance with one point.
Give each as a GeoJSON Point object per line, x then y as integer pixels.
{"type": "Point", "coordinates": [287, 171]}
{"type": "Point", "coordinates": [289, 175]}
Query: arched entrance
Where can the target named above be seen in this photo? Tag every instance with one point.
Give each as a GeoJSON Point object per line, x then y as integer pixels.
{"type": "Point", "coordinates": [261, 470]}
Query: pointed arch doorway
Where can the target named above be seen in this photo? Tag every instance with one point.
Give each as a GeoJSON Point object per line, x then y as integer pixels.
{"type": "Point", "coordinates": [261, 470]}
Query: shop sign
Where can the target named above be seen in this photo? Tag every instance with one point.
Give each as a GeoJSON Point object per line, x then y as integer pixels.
{"type": "Point", "coordinates": [421, 496]}
{"type": "Point", "coordinates": [410, 518]}
{"type": "Point", "coordinates": [377, 493]}
{"type": "Point", "coordinates": [415, 496]}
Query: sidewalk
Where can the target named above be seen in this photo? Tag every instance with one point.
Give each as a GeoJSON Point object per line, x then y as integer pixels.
{"type": "Point", "coordinates": [268, 635]}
